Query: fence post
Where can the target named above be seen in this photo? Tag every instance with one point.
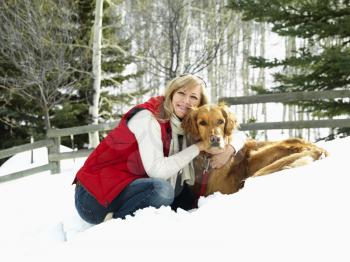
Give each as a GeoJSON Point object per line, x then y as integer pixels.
{"type": "Point", "coordinates": [55, 149]}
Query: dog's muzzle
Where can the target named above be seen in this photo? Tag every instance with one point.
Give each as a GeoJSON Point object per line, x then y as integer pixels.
{"type": "Point", "coordinates": [214, 141]}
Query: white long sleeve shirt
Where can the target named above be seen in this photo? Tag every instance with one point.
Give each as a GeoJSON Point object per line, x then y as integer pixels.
{"type": "Point", "coordinates": [148, 135]}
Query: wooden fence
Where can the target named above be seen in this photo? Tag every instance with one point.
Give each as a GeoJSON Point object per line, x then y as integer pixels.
{"type": "Point", "coordinates": [53, 141]}
{"type": "Point", "coordinates": [290, 97]}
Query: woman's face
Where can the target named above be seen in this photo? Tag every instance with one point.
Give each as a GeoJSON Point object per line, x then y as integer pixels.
{"type": "Point", "coordinates": [185, 98]}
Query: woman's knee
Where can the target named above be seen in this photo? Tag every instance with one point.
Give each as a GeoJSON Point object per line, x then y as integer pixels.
{"type": "Point", "coordinates": [164, 192]}
{"type": "Point", "coordinates": [87, 207]}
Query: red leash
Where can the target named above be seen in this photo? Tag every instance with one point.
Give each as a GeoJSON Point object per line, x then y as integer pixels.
{"type": "Point", "coordinates": [204, 183]}
{"type": "Point", "coordinates": [205, 177]}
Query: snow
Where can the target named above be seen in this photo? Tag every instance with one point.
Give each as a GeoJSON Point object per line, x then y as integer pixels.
{"type": "Point", "coordinates": [300, 214]}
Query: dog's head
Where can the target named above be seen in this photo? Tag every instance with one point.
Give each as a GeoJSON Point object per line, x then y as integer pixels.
{"type": "Point", "coordinates": [212, 124]}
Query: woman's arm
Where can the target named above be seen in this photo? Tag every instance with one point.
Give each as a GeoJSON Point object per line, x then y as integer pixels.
{"type": "Point", "coordinates": [148, 135]}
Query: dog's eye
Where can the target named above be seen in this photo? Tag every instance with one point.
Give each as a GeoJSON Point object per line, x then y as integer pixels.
{"type": "Point", "coordinates": [203, 123]}
{"type": "Point", "coordinates": [220, 122]}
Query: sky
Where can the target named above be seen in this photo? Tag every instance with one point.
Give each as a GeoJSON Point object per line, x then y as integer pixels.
{"type": "Point", "coordinates": [301, 214]}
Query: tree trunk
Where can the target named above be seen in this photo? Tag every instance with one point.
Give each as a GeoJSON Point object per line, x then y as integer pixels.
{"type": "Point", "coordinates": [96, 71]}
{"type": "Point", "coordinates": [46, 117]}
{"type": "Point", "coordinates": [262, 77]}
{"type": "Point", "coordinates": [183, 52]}
{"type": "Point", "coordinates": [290, 49]}
{"type": "Point", "coordinates": [246, 28]}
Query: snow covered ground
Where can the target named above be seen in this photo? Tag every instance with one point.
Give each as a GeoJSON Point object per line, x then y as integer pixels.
{"type": "Point", "coordinates": [293, 215]}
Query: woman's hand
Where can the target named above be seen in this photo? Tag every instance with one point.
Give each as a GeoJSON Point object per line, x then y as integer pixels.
{"type": "Point", "coordinates": [200, 146]}
{"type": "Point", "coordinates": [220, 159]}
{"type": "Point", "coordinates": [219, 156]}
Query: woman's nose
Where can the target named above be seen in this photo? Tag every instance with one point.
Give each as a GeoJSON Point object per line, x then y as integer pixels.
{"type": "Point", "coordinates": [187, 99]}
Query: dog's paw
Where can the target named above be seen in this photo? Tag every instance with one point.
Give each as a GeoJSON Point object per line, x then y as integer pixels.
{"type": "Point", "coordinates": [300, 162]}
{"type": "Point", "coordinates": [260, 173]}
{"type": "Point", "coordinates": [324, 155]}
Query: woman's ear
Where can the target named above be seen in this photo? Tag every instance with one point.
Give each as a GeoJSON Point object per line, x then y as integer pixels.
{"type": "Point", "coordinates": [231, 121]}
{"type": "Point", "coordinates": [189, 123]}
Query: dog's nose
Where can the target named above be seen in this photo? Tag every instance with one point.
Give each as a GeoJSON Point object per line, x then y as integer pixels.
{"type": "Point", "coordinates": [214, 140]}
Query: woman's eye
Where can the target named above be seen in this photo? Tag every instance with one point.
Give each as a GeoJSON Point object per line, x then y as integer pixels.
{"type": "Point", "coordinates": [203, 123]}
{"type": "Point", "coordinates": [181, 93]}
{"type": "Point", "coordinates": [194, 97]}
{"type": "Point", "coordinates": [220, 122]}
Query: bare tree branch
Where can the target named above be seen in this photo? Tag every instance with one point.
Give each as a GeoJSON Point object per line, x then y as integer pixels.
{"type": "Point", "coordinates": [37, 52]}
{"type": "Point", "coordinates": [166, 52]}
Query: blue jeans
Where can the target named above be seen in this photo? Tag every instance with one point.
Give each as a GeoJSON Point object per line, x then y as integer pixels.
{"type": "Point", "coordinates": [141, 193]}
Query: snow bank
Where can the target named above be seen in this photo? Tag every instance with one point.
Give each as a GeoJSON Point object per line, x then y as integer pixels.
{"type": "Point", "coordinates": [293, 215]}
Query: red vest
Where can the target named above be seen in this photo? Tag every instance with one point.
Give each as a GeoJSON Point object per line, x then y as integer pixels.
{"type": "Point", "coordinates": [116, 161]}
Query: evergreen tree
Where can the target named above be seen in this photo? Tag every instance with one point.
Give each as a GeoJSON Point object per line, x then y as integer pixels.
{"type": "Point", "coordinates": [323, 64]}
{"type": "Point", "coordinates": [35, 67]}
{"type": "Point", "coordinates": [115, 59]}
{"type": "Point", "coordinates": [75, 111]}
{"type": "Point", "coordinates": [35, 30]}
{"type": "Point", "coordinates": [116, 48]}
{"type": "Point", "coordinates": [18, 120]}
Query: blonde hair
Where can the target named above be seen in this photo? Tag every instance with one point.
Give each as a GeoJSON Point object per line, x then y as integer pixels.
{"type": "Point", "coordinates": [186, 80]}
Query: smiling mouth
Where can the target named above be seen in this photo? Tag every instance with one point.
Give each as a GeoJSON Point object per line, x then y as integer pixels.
{"type": "Point", "coordinates": [181, 108]}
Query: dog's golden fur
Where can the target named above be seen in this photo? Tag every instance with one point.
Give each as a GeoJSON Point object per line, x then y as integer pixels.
{"type": "Point", "coordinates": [214, 124]}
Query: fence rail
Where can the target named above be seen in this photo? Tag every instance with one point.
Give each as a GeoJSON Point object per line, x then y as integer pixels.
{"type": "Point", "coordinates": [81, 129]}
{"type": "Point", "coordinates": [18, 149]}
{"type": "Point", "coordinates": [27, 172]}
{"type": "Point", "coordinates": [53, 141]}
{"type": "Point", "coordinates": [286, 97]}
{"type": "Point", "coordinates": [290, 97]}
{"type": "Point", "coordinates": [69, 155]}
{"type": "Point", "coordinates": [296, 124]}
{"type": "Point", "coordinates": [26, 147]}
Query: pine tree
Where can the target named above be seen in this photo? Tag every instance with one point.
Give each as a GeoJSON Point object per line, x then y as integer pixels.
{"type": "Point", "coordinates": [75, 111]}
{"type": "Point", "coordinates": [33, 30]}
{"type": "Point", "coordinates": [116, 56]}
{"type": "Point", "coordinates": [36, 73]}
{"type": "Point", "coordinates": [115, 59]}
{"type": "Point", "coordinates": [323, 64]}
{"type": "Point", "coordinates": [18, 120]}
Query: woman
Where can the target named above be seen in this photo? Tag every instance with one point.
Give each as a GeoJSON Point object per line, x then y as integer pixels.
{"type": "Point", "coordinates": [145, 160]}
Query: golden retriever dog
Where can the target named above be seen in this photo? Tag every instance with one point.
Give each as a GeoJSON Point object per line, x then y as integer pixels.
{"type": "Point", "coordinates": [214, 124]}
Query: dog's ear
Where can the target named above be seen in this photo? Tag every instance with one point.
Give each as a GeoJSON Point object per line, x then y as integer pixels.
{"type": "Point", "coordinates": [189, 123]}
{"type": "Point", "coordinates": [231, 121]}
